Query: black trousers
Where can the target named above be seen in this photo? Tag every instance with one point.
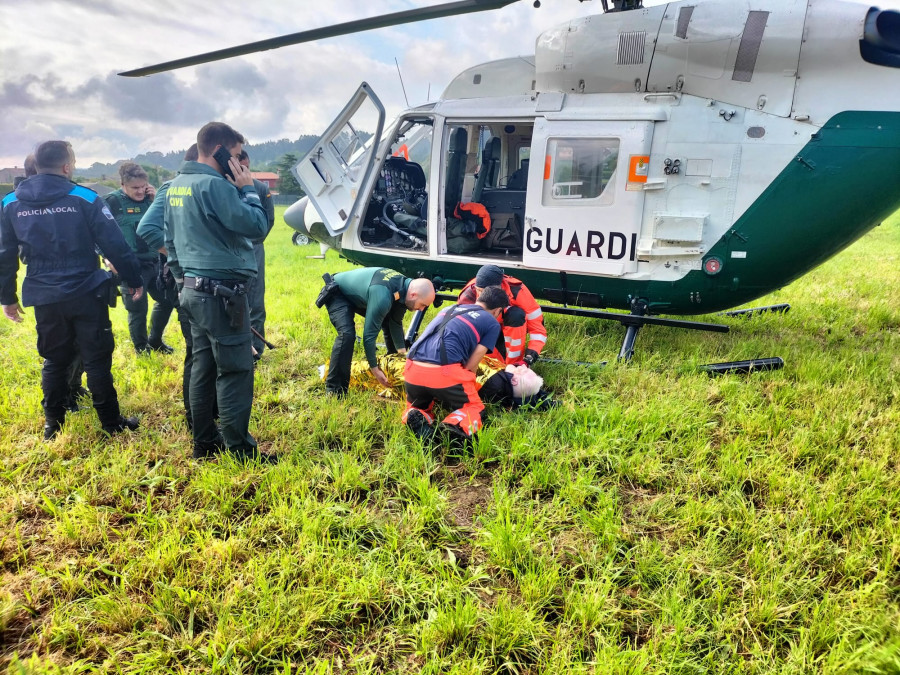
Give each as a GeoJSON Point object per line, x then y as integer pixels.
{"type": "Point", "coordinates": [77, 324]}
{"type": "Point", "coordinates": [256, 296]}
{"type": "Point", "coordinates": [184, 320]}
{"type": "Point", "coordinates": [342, 313]}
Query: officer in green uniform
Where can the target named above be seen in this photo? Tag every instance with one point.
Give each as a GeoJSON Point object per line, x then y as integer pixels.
{"type": "Point", "coordinates": [256, 293]}
{"type": "Point", "coordinates": [152, 230]}
{"type": "Point", "coordinates": [382, 296]}
{"type": "Point", "coordinates": [128, 204]}
{"type": "Point", "coordinates": [209, 225]}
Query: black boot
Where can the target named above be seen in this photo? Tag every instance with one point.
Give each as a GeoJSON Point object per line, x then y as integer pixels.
{"type": "Point", "coordinates": [162, 347]}
{"type": "Point", "coordinates": [418, 424]}
{"type": "Point", "coordinates": [455, 438]}
{"type": "Point", "coordinates": [51, 428]}
{"type": "Point", "coordinates": [122, 424]}
{"type": "Point", "coordinates": [204, 451]}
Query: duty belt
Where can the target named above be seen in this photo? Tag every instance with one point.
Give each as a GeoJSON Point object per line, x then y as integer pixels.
{"type": "Point", "coordinates": [212, 286]}
{"type": "Point", "coordinates": [230, 291]}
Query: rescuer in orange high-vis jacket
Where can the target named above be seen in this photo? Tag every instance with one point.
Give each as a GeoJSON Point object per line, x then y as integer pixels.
{"type": "Point", "coordinates": [523, 318]}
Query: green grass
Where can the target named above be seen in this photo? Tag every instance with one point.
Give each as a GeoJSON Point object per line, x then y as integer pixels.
{"type": "Point", "coordinates": [660, 521]}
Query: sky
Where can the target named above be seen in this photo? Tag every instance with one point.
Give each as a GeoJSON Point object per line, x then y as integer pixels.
{"type": "Point", "coordinates": [59, 59]}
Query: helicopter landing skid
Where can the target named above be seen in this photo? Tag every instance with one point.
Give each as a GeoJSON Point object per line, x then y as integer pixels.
{"type": "Point", "coordinates": [634, 322]}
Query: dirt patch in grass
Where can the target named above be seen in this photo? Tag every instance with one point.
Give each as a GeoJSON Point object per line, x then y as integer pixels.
{"type": "Point", "coordinates": [634, 499]}
{"type": "Point", "coordinates": [468, 500]}
{"type": "Point", "coordinates": [20, 619]}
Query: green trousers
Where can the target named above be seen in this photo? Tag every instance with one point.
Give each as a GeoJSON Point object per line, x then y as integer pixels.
{"type": "Point", "coordinates": [222, 371]}
{"type": "Point", "coordinates": [137, 311]}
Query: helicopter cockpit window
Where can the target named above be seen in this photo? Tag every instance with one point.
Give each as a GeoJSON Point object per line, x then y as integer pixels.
{"type": "Point", "coordinates": [397, 214]}
{"type": "Point", "coordinates": [581, 169]}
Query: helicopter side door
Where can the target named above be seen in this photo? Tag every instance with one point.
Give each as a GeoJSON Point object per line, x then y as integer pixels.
{"type": "Point", "coordinates": [585, 195]}
{"type": "Point", "coordinates": [340, 166]}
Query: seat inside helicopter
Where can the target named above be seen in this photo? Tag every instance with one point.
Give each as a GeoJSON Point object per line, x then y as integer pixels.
{"type": "Point", "coordinates": [484, 180]}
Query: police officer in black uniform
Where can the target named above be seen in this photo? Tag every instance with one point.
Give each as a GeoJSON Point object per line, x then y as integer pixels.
{"type": "Point", "coordinates": [58, 226]}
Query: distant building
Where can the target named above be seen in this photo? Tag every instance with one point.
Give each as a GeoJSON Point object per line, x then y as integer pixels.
{"type": "Point", "coordinates": [9, 175]}
{"type": "Point", "coordinates": [99, 188]}
{"type": "Point", "coordinates": [266, 177]}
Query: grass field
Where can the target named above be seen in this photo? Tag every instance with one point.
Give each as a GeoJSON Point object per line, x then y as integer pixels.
{"type": "Point", "coordinates": [659, 521]}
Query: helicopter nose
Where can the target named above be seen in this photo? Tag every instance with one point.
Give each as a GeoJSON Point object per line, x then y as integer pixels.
{"type": "Point", "coordinates": [303, 217]}
{"type": "Point", "coordinates": [294, 215]}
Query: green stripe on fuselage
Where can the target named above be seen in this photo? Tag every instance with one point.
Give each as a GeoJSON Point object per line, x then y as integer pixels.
{"type": "Point", "coordinates": [844, 182]}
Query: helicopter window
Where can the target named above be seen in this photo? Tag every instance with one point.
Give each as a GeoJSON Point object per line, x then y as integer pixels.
{"type": "Point", "coordinates": [581, 169]}
{"type": "Point", "coordinates": [524, 155]}
{"type": "Point", "coordinates": [397, 213]}
{"type": "Point", "coordinates": [351, 143]}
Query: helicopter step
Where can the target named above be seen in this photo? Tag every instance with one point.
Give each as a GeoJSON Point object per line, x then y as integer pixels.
{"type": "Point", "coordinates": [744, 367]}
{"type": "Point", "coordinates": [783, 308]}
{"type": "Point", "coordinates": [727, 367]}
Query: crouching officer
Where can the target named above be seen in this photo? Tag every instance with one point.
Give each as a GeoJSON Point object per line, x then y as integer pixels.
{"type": "Point", "coordinates": [58, 226]}
{"type": "Point", "coordinates": [382, 296]}
{"type": "Point", "coordinates": [208, 227]}
{"type": "Point", "coordinates": [441, 365]}
{"type": "Point", "coordinates": [522, 320]}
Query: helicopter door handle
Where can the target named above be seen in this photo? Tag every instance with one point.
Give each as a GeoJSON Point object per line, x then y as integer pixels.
{"type": "Point", "coordinates": [323, 174]}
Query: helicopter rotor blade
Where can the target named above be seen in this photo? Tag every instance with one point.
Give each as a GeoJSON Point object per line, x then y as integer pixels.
{"type": "Point", "coordinates": [359, 25]}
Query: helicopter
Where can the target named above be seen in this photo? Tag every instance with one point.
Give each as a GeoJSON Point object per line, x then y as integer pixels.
{"type": "Point", "coordinates": [680, 159]}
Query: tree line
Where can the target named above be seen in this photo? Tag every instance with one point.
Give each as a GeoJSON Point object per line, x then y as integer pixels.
{"type": "Point", "coordinates": [275, 156]}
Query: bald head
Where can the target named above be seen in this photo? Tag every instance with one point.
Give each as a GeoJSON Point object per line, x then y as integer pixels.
{"type": "Point", "coordinates": [420, 294]}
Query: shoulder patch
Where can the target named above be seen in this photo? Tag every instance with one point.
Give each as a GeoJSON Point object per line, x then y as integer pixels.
{"type": "Point", "coordinates": [84, 193]}
{"type": "Point", "coordinates": [107, 212]}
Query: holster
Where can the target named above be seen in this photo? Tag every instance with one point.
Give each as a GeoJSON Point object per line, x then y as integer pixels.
{"type": "Point", "coordinates": [329, 289]}
{"type": "Point", "coordinates": [234, 308]}
{"type": "Point", "coordinates": [112, 290]}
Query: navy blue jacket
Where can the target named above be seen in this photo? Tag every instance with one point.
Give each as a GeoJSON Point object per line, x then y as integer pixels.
{"type": "Point", "coordinates": [56, 227]}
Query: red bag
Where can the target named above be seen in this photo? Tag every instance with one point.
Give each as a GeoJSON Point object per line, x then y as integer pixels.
{"type": "Point", "coordinates": [475, 215]}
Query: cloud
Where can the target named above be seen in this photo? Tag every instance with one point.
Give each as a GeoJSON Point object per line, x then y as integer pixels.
{"type": "Point", "coordinates": [235, 77]}
{"type": "Point", "coordinates": [60, 58]}
{"type": "Point", "coordinates": [158, 99]}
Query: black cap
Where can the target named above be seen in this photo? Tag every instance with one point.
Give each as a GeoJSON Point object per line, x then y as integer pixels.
{"type": "Point", "coordinates": [489, 275]}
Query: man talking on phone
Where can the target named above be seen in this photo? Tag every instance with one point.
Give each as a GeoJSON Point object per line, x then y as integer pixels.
{"type": "Point", "coordinates": [209, 228]}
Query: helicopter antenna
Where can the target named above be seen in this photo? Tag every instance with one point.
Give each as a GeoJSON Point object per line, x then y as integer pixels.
{"type": "Point", "coordinates": [402, 86]}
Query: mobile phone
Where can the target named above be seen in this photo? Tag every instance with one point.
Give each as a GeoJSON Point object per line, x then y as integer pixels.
{"type": "Point", "coordinates": [222, 156]}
